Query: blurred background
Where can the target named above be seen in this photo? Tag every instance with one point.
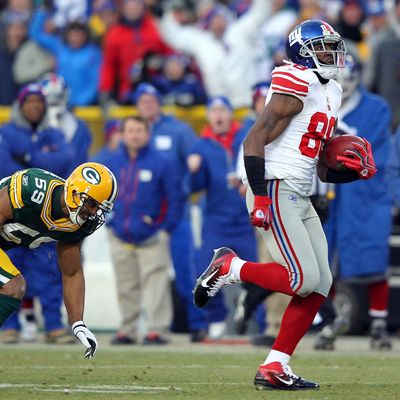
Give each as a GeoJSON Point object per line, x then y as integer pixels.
{"type": "Point", "coordinates": [190, 68]}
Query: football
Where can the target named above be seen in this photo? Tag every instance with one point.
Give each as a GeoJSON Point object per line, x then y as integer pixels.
{"type": "Point", "coordinates": [336, 147]}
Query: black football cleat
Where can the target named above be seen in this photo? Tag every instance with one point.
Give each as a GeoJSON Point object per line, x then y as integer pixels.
{"type": "Point", "coordinates": [379, 335]}
{"type": "Point", "coordinates": [327, 336]}
{"type": "Point", "coordinates": [275, 376]}
{"type": "Point", "coordinates": [217, 275]}
{"type": "Point", "coordinates": [242, 316]}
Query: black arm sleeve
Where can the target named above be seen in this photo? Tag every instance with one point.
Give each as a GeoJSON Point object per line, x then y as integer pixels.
{"type": "Point", "coordinates": [255, 171]}
{"type": "Point", "coordinates": [341, 176]}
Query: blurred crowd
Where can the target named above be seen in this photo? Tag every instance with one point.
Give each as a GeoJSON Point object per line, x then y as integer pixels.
{"type": "Point", "coordinates": [60, 54]}
{"type": "Point", "coordinates": [189, 50]}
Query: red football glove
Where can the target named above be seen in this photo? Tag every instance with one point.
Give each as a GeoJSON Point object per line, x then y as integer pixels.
{"type": "Point", "coordinates": [261, 215]}
{"type": "Point", "coordinates": [360, 160]}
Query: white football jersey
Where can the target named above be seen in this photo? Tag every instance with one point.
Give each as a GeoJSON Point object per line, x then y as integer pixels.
{"type": "Point", "coordinates": [294, 154]}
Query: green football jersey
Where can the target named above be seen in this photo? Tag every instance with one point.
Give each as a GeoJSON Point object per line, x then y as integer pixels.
{"type": "Point", "coordinates": [35, 196]}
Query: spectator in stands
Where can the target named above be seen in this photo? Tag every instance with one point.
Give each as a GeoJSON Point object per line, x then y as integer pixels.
{"type": "Point", "coordinates": [273, 32]}
{"type": "Point", "coordinates": [77, 59]}
{"type": "Point", "coordinates": [259, 95]}
{"type": "Point", "coordinates": [112, 138]}
{"type": "Point", "coordinates": [29, 141]}
{"type": "Point", "coordinates": [177, 84]}
{"type": "Point", "coordinates": [350, 27]}
{"type": "Point", "coordinates": [225, 50]}
{"type": "Point", "coordinates": [375, 26]}
{"type": "Point", "coordinates": [149, 206]}
{"type": "Point", "coordinates": [76, 132]}
{"type": "Point", "coordinates": [358, 236]}
{"type": "Point", "coordinates": [14, 36]}
{"type": "Point", "coordinates": [212, 167]}
{"type": "Point", "coordinates": [310, 9]}
{"type": "Point", "coordinates": [128, 41]}
{"type": "Point", "coordinates": [66, 11]}
{"type": "Point", "coordinates": [385, 65]}
{"type": "Point", "coordinates": [104, 16]}
{"type": "Point", "coordinates": [174, 139]}
{"type": "Point", "coordinates": [32, 62]}
{"type": "Point", "coordinates": [22, 8]}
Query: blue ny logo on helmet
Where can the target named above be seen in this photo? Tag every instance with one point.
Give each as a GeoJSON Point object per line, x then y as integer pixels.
{"type": "Point", "coordinates": [310, 42]}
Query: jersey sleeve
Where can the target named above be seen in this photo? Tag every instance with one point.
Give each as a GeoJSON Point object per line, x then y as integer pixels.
{"type": "Point", "coordinates": [15, 190]}
{"type": "Point", "coordinates": [291, 81]}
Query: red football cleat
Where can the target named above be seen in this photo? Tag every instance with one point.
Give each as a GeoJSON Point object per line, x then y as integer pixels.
{"type": "Point", "coordinates": [217, 275]}
{"type": "Point", "coordinates": [275, 376]}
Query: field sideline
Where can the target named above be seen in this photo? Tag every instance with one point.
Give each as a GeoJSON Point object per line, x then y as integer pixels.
{"type": "Point", "coordinates": [185, 371]}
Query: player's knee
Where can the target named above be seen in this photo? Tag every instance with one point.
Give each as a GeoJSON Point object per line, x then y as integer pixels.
{"type": "Point", "coordinates": [310, 282]}
{"type": "Point", "coordinates": [324, 285]}
{"type": "Point", "coordinates": [15, 287]}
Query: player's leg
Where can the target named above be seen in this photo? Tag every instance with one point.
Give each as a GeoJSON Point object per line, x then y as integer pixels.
{"type": "Point", "coordinates": [185, 276]}
{"type": "Point", "coordinates": [11, 328]}
{"type": "Point", "coordinates": [292, 240]}
{"type": "Point", "coordinates": [286, 274]}
{"type": "Point", "coordinates": [378, 297]}
{"type": "Point", "coordinates": [154, 262]}
{"type": "Point", "coordinates": [12, 287]}
{"type": "Point", "coordinates": [124, 259]}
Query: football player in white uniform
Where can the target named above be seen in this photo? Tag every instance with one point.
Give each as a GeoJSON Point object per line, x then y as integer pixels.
{"type": "Point", "coordinates": [281, 153]}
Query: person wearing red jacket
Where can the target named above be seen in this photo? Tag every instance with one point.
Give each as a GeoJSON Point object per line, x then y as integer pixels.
{"type": "Point", "coordinates": [130, 40]}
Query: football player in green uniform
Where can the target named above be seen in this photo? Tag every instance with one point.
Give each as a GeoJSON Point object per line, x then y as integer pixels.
{"type": "Point", "coordinates": [37, 206]}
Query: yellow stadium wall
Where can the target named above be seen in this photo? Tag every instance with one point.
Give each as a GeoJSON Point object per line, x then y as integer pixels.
{"type": "Point", "coordinates": [95, 118]}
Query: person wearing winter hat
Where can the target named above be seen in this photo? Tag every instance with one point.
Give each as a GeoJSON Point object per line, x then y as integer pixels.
{"type": "Point", "coordinates": [28, 141]}
{"type": "Point", "coordinates": [174, 138]}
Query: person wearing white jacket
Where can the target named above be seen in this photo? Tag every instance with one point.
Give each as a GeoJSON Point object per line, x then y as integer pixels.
{"type": "Point", "coordinates": [227, 59]}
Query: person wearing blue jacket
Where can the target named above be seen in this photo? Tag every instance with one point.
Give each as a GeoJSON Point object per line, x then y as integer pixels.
{"type": "Point", "coordinates": [112, 139]}
{"type": "Point", "coordinates": [212, 167]}
{"type": "Point", "coordinates": [360, 221]}
{"type": "Point", "coordinates": [29, 141]}
{"type": "Point", "coordinates": [174, 139]}
{"type": "Point", "coordinates": [78, 60]}
{"type": "Point", "coordinates": [76, 131]}
{"type": "Point", "coordinates": [149, 207]}
{"type": "Point", "coordinates": [177, 85]}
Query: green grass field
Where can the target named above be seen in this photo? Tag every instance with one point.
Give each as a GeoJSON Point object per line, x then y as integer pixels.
{"type": "Point", "coordinates": [182, 371]}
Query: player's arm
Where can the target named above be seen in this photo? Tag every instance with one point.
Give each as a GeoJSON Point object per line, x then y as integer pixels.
{"type": "Point", "coordinates": [272, 121]}
{"type": "Point", "coordinates": [70, 262]}
{"type": "Point", "coordinates": [326, 174]}
{"type": "Point", "coordinates": [6, 212]}
{"type": "Point", "coordinates": [270, 124]}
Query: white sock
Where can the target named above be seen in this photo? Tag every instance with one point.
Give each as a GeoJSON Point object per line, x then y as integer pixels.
{"type": "Point", "coordinates": [236, 266]}
{"type": "Point", "coordinates": [275, 355]}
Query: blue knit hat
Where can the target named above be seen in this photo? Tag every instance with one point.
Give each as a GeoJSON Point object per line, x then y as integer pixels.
{"type": "Point", "coordinates": [215, 101]}
{"type": "Point", "coordinates": [145, 88]}
{"type": "Point", "coordinates": [32, 88]}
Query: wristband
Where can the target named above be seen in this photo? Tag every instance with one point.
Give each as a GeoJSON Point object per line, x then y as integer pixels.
{"type": "Point", "coordinates": [77, 323]}
{"type": "Point", "coordinates": [255, 171]}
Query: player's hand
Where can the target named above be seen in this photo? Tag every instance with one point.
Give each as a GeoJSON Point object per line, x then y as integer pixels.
{"type": "Point", "coordinates": [360, 160]}
{"type": "Point", "coordinates": [86, 337]}
{"type": "Point", "coordinates": [261, 216]}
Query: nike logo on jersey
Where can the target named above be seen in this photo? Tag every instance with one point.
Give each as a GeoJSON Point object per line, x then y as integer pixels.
{"type": "Point", "coordinates": [286, 382]}
{"type": "Point", "coordinates": [205, 282]}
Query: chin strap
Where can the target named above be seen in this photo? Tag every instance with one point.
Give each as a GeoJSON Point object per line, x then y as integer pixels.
{"type": "Point", "coordinates": [74, 216]}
